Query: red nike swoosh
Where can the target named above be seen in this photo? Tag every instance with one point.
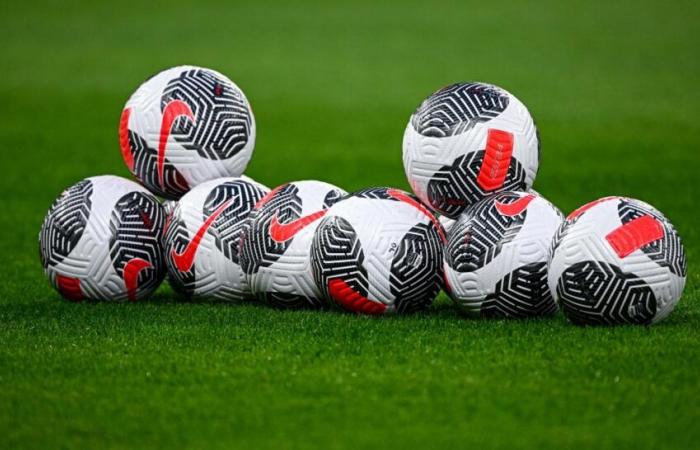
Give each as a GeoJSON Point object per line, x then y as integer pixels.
{"type": "Point", "coordinates": [282, 232]}
{"type": "Point", "coordinates": [515, 208]}
{"type": "Point", "coordinates": [131, 275]}
{"type": "Point", "coordinates": [268, 196]}
{"type": "Point", "coordinates": [351, 300]}
{"type": "Point", "coordinates": [171, 112]}
{"type": "Point", "coordinates": [402, 197]}
{"type": "Point", "coordinates": [183, 261]}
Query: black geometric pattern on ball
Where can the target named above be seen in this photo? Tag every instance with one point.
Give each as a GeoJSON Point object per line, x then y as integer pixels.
{"type": "Point", "coordinates": [667, 251]}
{"type": "Point", "coordinates": [454, 187]}
{"type": "Point", "coordinates": [136, 228]}
{"type": "Point", "coordinates": [376, 193]}
{"type": "Point", "coordinates": [522, 293]}
{"type": "Point", "coordinates": [258, 249]}
{"type": "Point", "coordinates": [65, 223]}
{"type": "Point", "coordinates": [337, 253]}
{"type": "Point", "coordinates": [480, 234]}
{"type": "Point", "coordinates": [228, 226]}
{"type": "Point", "coordinates": [597, 293]}
{"type": "Point", "coordinates": [457, 108]}
{"type": "Point", "coordinates": [177, 238]}
{"type": "Point", "coordinates": [222, 124]}
{"type": "Point", "coordinates": [145, 168]}
{"type": "Point", "coordinates": [416, 269]}
{"type": "Point", "coordinates": [332, 197]}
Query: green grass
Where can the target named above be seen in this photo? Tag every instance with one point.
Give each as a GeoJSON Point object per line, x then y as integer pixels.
{"type": "Point", "coordinates": [614, 89]}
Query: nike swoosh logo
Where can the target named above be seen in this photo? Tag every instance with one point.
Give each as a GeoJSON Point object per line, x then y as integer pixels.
{"type": "Point", "coordinates": [351, 300]}
{"type": "Point", "coordinates": [515, 208]}
{"type": "Point", "coordinates": [402, 197]}
{"type": "Point", "coordinates": [131, 275]}
{"type": "Point", "coordinates": [171, 112]}
{"type": "Point", "coordinates": [183, 261]}
{"type": "Point", "coordinates": [282, 232]}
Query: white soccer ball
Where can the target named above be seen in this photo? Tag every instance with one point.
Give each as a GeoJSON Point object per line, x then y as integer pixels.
{"type": "Point", "coordinates": [617, 260]}
{"type": "Point", "coordinates": [184, 126]}
{"type": "Point", "coordinates": [467, 141]}
{"type": "Point", "coordinates": [276, 243]}
{"type": "Point", "coordinates": [378, 251]}
{"type": "Point", "coordinates": [101, 240]}
{"type": "Point", "coordinates": [496, 256]}
{"type": "Point", "coordinates": [202, 237]}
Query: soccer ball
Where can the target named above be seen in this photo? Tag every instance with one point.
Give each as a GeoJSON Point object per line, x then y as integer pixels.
{"type": "Point", "coordinates": [378, 251]}
{"type": "Point", "coordinates": [467, 141]}
{"type": "Point", "coordinates": [184, 126]}
{"type": "Point", "coordinates": [276, 243]}
{"type": "Point", "coordinates": [496, 256]}
{"type": "Point", "coordinates": [617, 260]}
{"type": "Point", "coordinates": [202, 237]}
{"type": "Point", "coordinates": [101, 240]}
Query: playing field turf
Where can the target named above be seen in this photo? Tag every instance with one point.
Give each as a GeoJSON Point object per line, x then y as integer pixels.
{"type": "Point", "coordinates": [613, 87]}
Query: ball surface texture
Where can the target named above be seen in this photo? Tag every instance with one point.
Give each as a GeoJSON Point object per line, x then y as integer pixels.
{"type": "Point", "coordinates": [378, 251]}
{"type": "Point", "coordinates": [101, 240]}
{"type": "Point", "coordinates": [467, 141]}
{"type": "Point", "coordinates": [496, 256]}
{"type": "Point", "coordinates": [276, 243]}
{"type": "Point", "coordinates": [202, 238]}
{"type": "Point", "coordinates": [184, 126]}
{"type": "Point", "coordinates": [617, 260]}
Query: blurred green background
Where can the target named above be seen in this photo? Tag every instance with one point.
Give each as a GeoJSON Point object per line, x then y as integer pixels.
{"type": "Point", "coordinates": [613, 87]}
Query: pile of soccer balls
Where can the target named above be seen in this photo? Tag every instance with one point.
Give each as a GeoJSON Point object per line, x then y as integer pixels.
{"type": "Point", "coordinates": [476, 229]}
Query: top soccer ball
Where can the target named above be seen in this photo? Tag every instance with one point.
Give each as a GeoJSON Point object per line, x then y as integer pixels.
{"type": "Point", "coordinates": [617, 260]}
{"type": "Point", "coordinates": [466, 141]}
{"type": "Point", "coordinates": [184, 126]}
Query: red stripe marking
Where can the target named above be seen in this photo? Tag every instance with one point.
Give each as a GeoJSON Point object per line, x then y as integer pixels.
{"type": "Point", "coordinates": [403, 197]}
{"type": "Point", "coordinates": [494, 168]}
{"type": "Point", "coordinates": [171, 112]}
{"type": "Point", "coordinates": [69, 287]}
{"type": "Point", "coordinates": [578, 211]}
{"type": "Point", "coordinates": [124, 143]}
{"type": "Point", "coordinates": [131, 275]}
{"type": "Point", "coordinates": [347, 297]}
{"type": "Point", "coordinates": [515, 208]}
{"type": "Point", "coordinates": [268, 196]}
{"type": "Point", "coordinates": [635, 234]}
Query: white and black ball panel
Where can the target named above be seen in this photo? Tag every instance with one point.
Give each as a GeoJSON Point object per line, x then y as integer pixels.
{"type": "Point", "coordinates": [275, 246]}
{"type": "Point", "coordinates": [135, 245]}
{"type": "Point", "coordinates": [101, 241]}
{"type": "Point", "coordinates": [617, 260]}
{"type": "Point", "coordinates": [65, 223]}
{"type": "Point", "coordinates": [467, 141]}
{"type": "Point", "coordinates": [184, 126]}
{"type": "Point", "coordinates": [379, 251]}
{"type": "Point", "coordinates": [202, 238]}
{"type": "Point", "coordinates": [496, 255]}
